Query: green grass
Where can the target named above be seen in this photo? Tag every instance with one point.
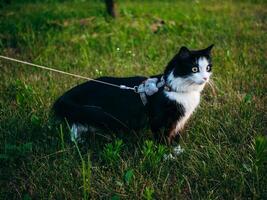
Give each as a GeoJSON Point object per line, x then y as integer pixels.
{"type": "Point", "coordinates": [225, 145]}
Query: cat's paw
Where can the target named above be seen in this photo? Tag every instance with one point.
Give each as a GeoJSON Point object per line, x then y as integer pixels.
{"type": "Point", "coordinates": [168, 157]}
{"type": "Point", "coordinates": [76, 132]}
{"type": "Point", "coordinates": [177, 150]}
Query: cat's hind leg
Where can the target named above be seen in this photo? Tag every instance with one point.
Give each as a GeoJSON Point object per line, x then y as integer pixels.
{"type": "Point", "coordinates": [76, 131]}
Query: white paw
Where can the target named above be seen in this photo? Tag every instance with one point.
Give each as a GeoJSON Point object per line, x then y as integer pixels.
{"type": "Point", "coordinates": [76, 131]}
{"type": "Point", "coordinates": [168, 157]}
{"type": "Point", "coordinates": [178, 150]}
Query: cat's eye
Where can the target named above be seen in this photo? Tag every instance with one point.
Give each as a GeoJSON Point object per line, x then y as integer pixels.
{"type": "Point", "coordinates": [194, 69]}
{"type": "Point", "coordinates": [208, 68]}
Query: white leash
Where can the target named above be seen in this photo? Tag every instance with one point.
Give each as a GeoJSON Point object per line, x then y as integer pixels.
{"type": "Point", "coordinates": [124, 87]}
{"type": "Point", "coordinates": [147, 88]}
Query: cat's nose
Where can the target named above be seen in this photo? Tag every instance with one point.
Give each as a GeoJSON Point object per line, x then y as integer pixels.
{"type": "Point", "coordinates": [205, 78]}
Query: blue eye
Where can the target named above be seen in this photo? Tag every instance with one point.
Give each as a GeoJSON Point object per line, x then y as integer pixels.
{"type": "Point", "coordinates": [195, 69]}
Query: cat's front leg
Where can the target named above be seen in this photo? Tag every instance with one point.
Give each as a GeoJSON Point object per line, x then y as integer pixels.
{"type": "Point", "coordinates": [171, 133]}
{"type": "Point", "coordinates": [176, 139]}
{"type": "Point", "coordinates": [165, 133]}
{"type": "Point", "coordinates": [176, 147]}
{"type": "Point", "coordinates": [173, 140]}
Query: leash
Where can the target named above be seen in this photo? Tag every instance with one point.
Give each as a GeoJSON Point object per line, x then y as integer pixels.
{"type": "Point", "coordinates": [123, 87]}
{"type": "Point", "coordinates": [146, 88]}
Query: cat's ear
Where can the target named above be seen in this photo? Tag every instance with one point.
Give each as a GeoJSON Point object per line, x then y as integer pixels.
{"type": "Point", "coordinates": [184, 52]}
{"type": "Point", "coordinates": [209, 48]}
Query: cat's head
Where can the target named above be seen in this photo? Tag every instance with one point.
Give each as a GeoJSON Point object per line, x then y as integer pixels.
{"type": "Point", "coordinates": [189, 70]}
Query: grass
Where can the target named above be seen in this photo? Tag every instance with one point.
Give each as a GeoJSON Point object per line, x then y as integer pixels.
{"type": "Point", "coordinates": [225, 141]}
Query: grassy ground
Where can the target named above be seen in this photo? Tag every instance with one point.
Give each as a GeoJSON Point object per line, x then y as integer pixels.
{"type": "Point", "coordinates": [225, 146]}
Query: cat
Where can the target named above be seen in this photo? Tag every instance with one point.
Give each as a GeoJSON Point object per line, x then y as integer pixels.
{"type": "Point", "coordinates": [93, 104]}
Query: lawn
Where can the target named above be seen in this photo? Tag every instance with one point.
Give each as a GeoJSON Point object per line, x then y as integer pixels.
{"type": "Point", "coordinates": [225, 140]}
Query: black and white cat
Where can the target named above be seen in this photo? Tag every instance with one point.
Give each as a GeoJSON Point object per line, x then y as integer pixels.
{"type": "Point", "coordinates": [166, 112]}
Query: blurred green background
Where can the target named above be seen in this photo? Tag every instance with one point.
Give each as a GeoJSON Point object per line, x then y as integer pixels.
{"type": "Point", "coordinates": [225, 145]}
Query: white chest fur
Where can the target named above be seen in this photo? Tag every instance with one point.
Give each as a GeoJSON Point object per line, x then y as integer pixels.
{"type": "Point", "coordinates": [189, 100]}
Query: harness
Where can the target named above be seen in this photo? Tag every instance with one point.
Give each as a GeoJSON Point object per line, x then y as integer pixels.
{"type": "Point", "coordinates": [149, 87]}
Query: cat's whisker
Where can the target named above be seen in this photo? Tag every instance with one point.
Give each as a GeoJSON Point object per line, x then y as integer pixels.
{"type": "Point", "coordinates": [213, 88]}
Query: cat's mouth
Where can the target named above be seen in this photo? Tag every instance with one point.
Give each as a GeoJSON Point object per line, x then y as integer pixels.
{"type": "Point", "coordinates": [199, 82]}
{"type": "Point", "coordinates": [202, 82]}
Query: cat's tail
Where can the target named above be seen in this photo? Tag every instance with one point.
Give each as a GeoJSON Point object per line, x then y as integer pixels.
{"type": "Point", "coordinates": [86, 114]}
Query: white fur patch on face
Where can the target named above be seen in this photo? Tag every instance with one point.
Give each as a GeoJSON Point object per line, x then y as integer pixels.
{"type": "Point", "coordinates": [202, 76]}
{"type": "Point", "coordinates": [180, 84]}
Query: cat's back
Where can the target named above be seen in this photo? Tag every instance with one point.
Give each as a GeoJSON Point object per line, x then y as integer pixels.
{"type": "Point", "coordinates": [103, 94]}
{"type": "Point", "coordinates": [121, 104]}
{"type": "Point", "coordinates": [102, 88]}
